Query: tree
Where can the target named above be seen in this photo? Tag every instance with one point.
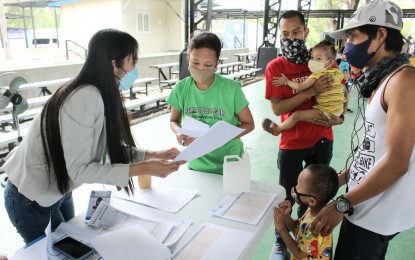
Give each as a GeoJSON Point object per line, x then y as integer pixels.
{"type": "Point", "coordinates": [43, 17]}
{"type": "Point", "coordinates": [319, 25]}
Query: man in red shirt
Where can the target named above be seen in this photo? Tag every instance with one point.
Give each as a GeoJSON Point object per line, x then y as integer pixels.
{"type": "Point", "coordinates": [308, 142]}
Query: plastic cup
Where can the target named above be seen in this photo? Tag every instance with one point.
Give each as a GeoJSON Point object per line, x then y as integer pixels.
{"type": "Point", "coordinates": [144, 182]}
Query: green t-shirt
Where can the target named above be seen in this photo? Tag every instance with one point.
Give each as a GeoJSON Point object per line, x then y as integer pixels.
{"type": "Point", "coordinates": [223, 100]}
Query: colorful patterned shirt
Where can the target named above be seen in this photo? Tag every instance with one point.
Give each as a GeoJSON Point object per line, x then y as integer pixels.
{"type": "Point", "coordinates": [317, 247]}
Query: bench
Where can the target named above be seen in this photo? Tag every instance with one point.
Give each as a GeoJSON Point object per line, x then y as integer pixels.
{"type": "Point", "coordinates": [11, 137]}
{"type": "Point", "coordinates": [28, 114]}
{"type": "Point", "coordinates": [249, 65]}
{"type": "Point", "coordinates": [160, 67]}
{"type": "Point", "coordinates": [168, 83]}
{"type": "Point", "coordinates": [31, 101]}
{"type": "Point", "coordinates": [43, 85]}
{"type": "Point", "coordinates": [242, 73]}
{"type": "Point", "coordinates": [139, 90]}
{"type": "Point", "coordinates": [222, 59]}
{"type": "Point", "coordinates": [228, 65]}
{"type": "Point", "coordinates": [140, 103]}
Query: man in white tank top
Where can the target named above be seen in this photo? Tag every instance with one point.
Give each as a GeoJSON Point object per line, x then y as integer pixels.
{"type": "Point", "coordinates": [380, 201]}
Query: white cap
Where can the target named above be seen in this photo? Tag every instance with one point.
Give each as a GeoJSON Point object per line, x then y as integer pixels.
{"type": "Point", "coordinates": [378, 12]}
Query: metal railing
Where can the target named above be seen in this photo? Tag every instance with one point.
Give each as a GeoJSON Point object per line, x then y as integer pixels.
{"type": "Point", "coordinates": [76, 53]}
{"type": "Point", "coordinates": [236, 43]}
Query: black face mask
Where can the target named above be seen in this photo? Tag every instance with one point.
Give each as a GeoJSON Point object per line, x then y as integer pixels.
{"type": "Point", "coordinates": [356, 54]}
{"type": "Point", "coordinates": [294, 50]}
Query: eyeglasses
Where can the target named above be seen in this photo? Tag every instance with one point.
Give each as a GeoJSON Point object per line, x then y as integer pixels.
{"type": "Point", "coordinates": [122, 69]}
{"type": "Point", "coordinates": [298, 195]}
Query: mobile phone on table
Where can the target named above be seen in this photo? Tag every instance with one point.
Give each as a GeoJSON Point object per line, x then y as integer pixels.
{"type": "Point", "coordinates": [73, 249]}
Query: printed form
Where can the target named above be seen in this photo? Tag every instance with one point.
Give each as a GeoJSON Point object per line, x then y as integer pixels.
{"type": "Point", "coordinates": [162, 197]}
{"type": "Point", "coordinates": [249, 207]}
{"type": "Point", "coordinates": [212, 242]}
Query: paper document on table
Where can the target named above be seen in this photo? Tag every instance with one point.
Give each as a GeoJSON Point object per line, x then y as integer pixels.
{"type": "Point", "coordinates": [130, 243]}
{"type": "Point", "coordinates": [179, 227]}
{"type": "Point", "coordinates": [218, 135]}
{"type": "Point", "coordinates": [248, 207]}
{"type": "Point", "coordinates": [51, 253]}
{"type": "Point", "coordinates": [109, 218]}
{"type": "Point", "coordinates": [162, 197]}
{"type": "Point", "coordinates": [211, 242]}
{"type": "Point", "coordinates": [193, 127]}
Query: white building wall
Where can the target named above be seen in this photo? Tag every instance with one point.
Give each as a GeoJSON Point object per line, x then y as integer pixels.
{"type": "Point", "coordinates": [165, 29]}
{"type": "Point", "coordinates": [175, 26]}
{"type": "Point", "coordinates": [80, 20]}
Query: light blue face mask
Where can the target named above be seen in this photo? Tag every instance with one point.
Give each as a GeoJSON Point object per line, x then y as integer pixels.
{"type": "Point", "coordinates": [127, 81]}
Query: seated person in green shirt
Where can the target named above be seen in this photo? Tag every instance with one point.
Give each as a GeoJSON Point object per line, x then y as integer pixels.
{"type": "Point", "coordinates": [208, 97]}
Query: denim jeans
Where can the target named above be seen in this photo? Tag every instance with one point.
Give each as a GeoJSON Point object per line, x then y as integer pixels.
{"type": "Point", "coordinates": [356, 243]}
{"type": "Point", "coordinates": [31, 219]}
{"type": "Point", "coordinates": [292, 162]}
{"type": "Point", "coordinates": [279, 250]}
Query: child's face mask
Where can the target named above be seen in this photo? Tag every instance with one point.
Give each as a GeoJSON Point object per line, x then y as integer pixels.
{"type": "Point", "coordinates": [317, 66]}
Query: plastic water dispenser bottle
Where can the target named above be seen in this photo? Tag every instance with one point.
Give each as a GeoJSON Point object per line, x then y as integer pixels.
{"type": "Point", "coordinates": [236, 174]}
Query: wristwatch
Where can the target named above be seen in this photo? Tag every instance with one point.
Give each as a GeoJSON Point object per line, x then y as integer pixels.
{"type": "Point", "coordinates": [343, 205]}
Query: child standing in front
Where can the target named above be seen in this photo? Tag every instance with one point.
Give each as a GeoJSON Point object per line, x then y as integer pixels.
{"type": "Point", "coordinates": [317, 185]}
{"type": "Point", "coordinates": [323, 58]}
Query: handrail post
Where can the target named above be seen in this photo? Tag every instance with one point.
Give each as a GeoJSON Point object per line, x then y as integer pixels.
{"type": "Point", "coordinates": [67, 49]}
{"type": "Point", "coordinates": [67, 52]}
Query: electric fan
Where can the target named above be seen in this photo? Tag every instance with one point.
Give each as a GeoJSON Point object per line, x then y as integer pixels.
{"type": "Point", "coordinates": [19, 104]}
{"type": "Point", "coordinates": [11, 95]}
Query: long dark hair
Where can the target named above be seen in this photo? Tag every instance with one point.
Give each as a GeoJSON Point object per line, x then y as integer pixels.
{"type": "Point", "coordinates": [104, 47]}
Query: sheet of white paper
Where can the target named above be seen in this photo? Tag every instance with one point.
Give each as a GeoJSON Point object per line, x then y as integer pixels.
{"type": "Point", "coordinates": [76, 231]}
{"type": "Point", "coordinates": [256, 203]}
{"type": "Point", "coordinates": [218, 135]}
{"type": "Point", "coordinates": [177, 232]}
{"type": "Point", "coordinates": [191, 123]}
{"type": "Point", "coordinates": [162, 197]}
{"type": "Point", "coordinates": [212, 242]}
{"type": "Point", "coordinates": [49, 240]}
{"type": "Point", "coordinates": [180, 225]}
{"type": "Point", "coordinates": [50, 252]}
{"type": "Point", "coordinates": [193, 127]}
{"type": "Point", "coordinates": [191, 132]}
{"type": "Point", "coordinates": [110, 218]}
{"type": "Point", "coordinates": [177, 226]}
{"type": "Point", "coordinates": [130, 243]}
{"type": "Point", "coordinates": [247, 207]}
{"type": "Point", "coordinates": [36, 251]}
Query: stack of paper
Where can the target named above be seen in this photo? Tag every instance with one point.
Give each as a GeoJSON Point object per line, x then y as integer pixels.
{"type": "Point", "coordinates": [212, 242]}
{"type": "Point", "coordinates": [110, 218]}
{"type": "Point", "coordinates": [162, 197]}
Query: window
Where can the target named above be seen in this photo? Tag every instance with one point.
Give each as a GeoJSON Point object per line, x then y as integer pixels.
{"type": "Point", "coordinates": [143, 22]}
{"type": "Point", "coordinates": [41, 41]}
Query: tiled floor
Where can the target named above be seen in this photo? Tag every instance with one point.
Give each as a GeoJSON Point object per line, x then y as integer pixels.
{"type": "Point", "coordinates": [155, 133]}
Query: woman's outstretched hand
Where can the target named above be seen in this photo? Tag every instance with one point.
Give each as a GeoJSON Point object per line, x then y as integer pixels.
{"type": "Point", "coordinates": [155, 167]}
{"type": "Point", "coordinates": [167, 154]}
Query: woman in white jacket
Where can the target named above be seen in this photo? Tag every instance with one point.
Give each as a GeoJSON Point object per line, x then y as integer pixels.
{"type": "Point", "coordinates": [82, 122]}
